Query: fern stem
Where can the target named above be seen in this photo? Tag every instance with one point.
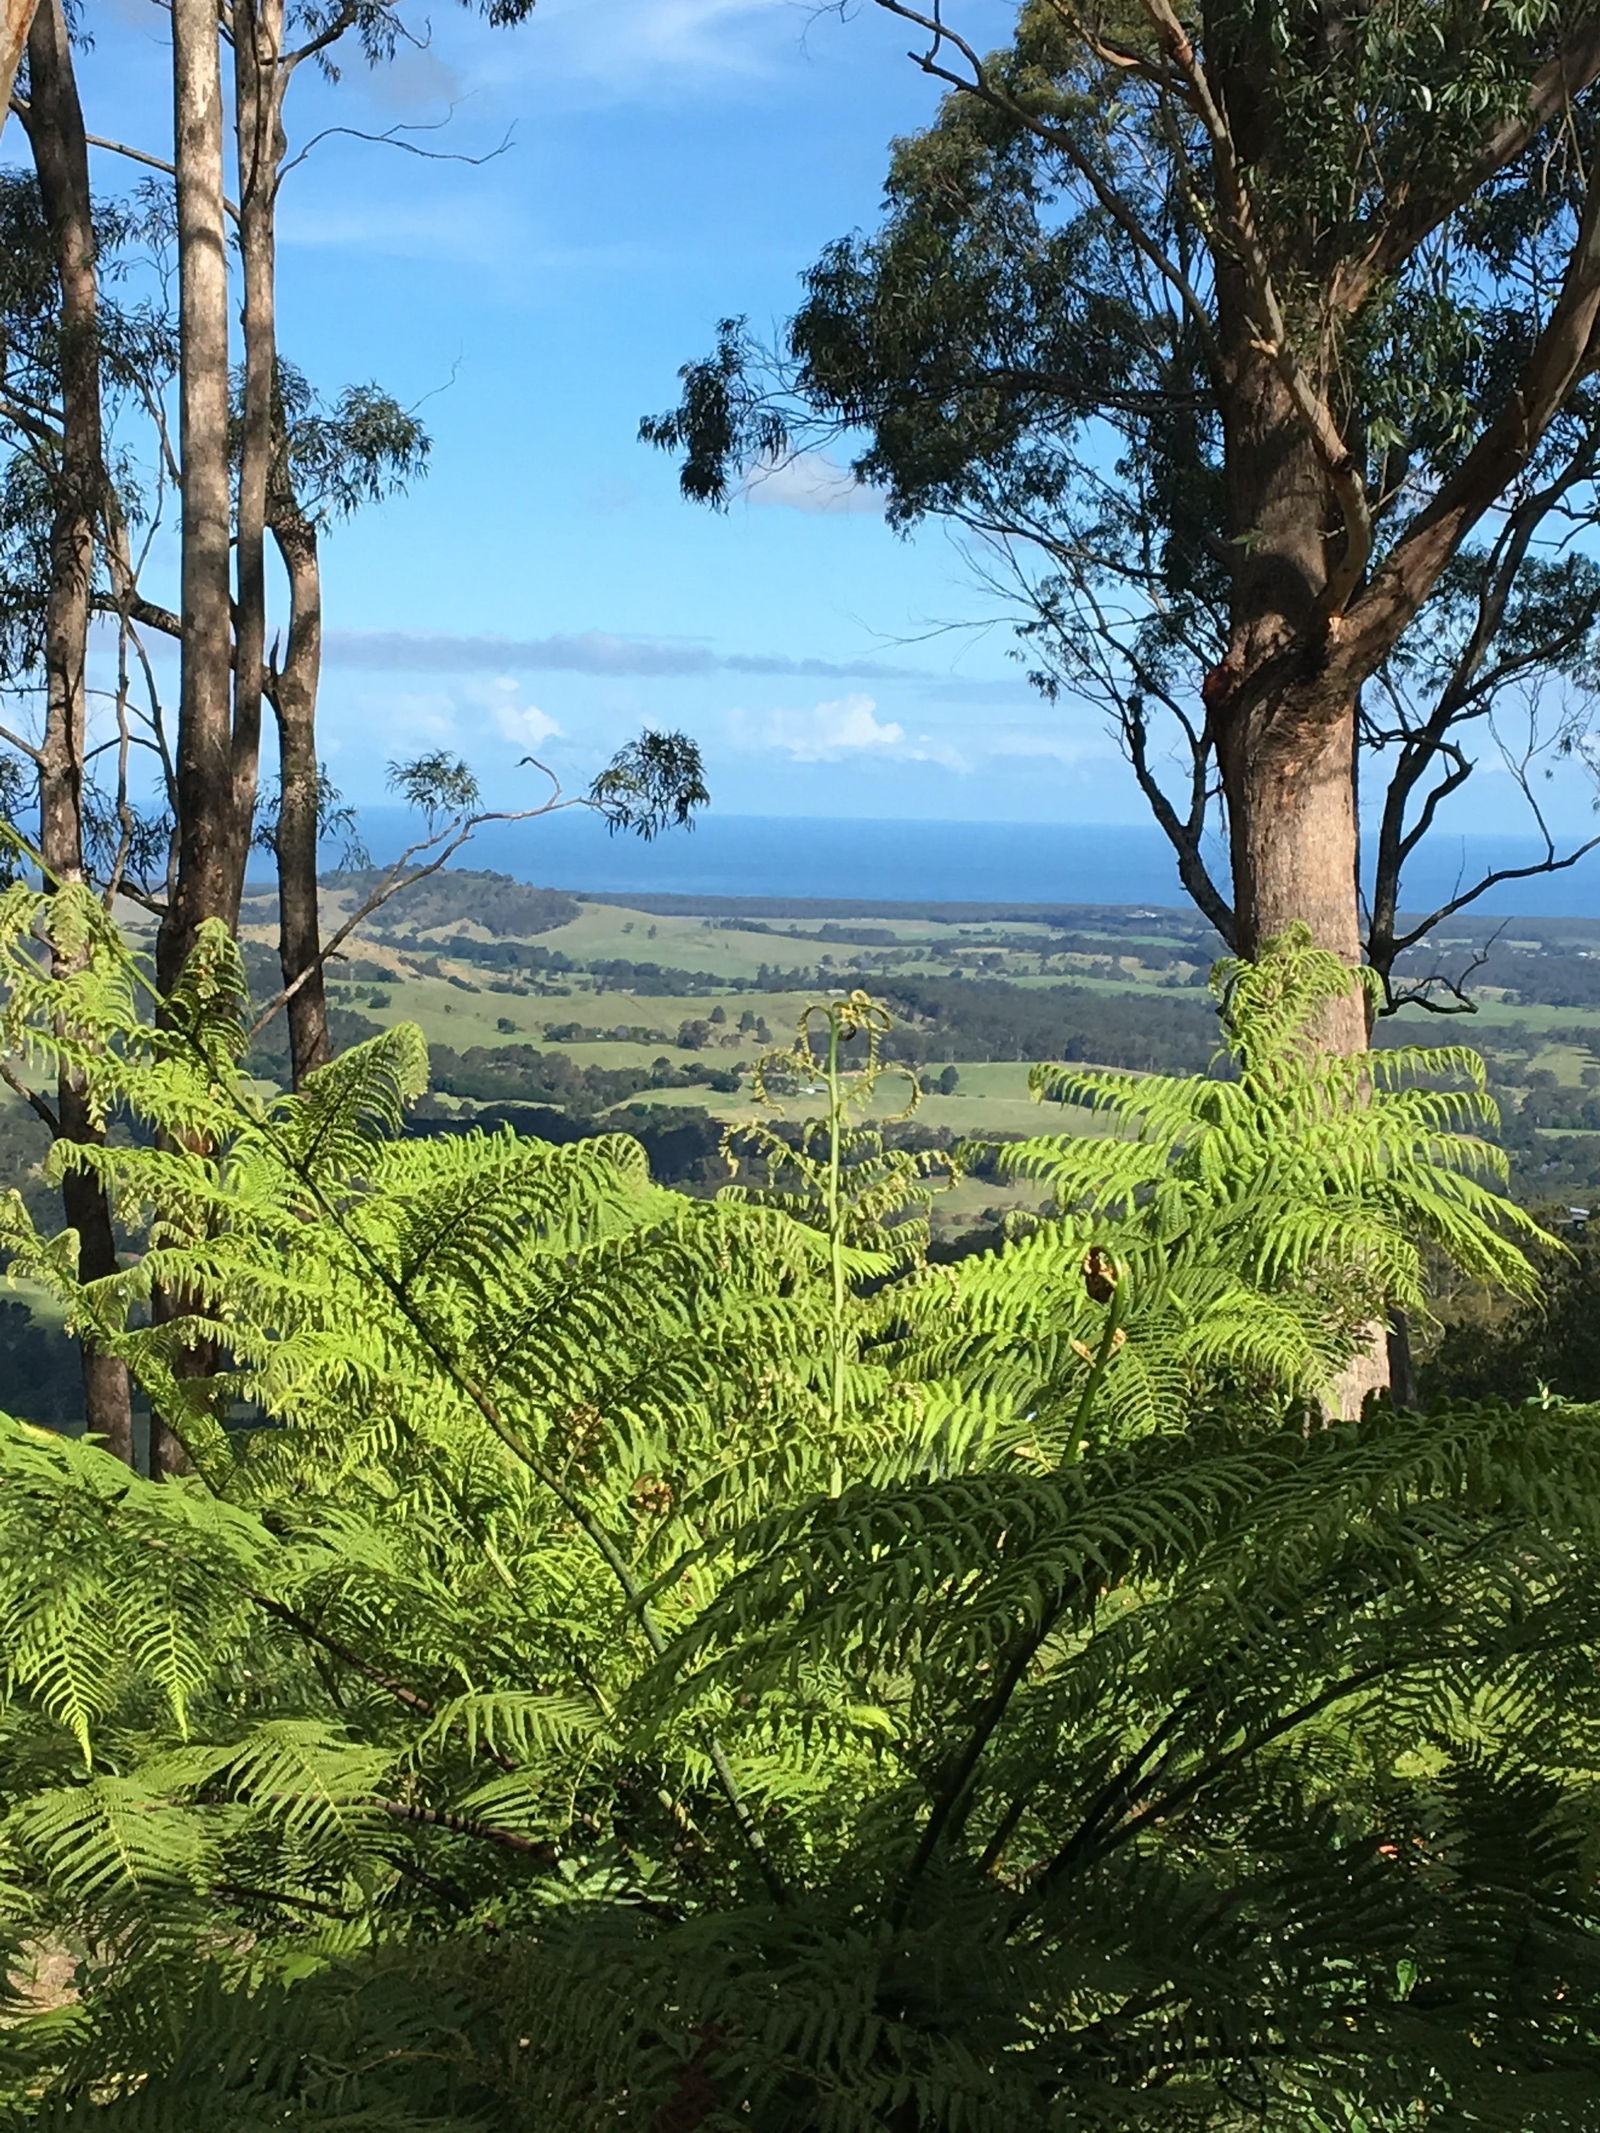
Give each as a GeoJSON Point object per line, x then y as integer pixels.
{"type": "Point", "coordinates": [1115, 1313]}
{"type": "Point", "coordinates": [836, 1227]}
{"type": "Point", "coordinates": [955, 1796]}
{"type": "Point", "coordinates": [412, 1698]}
{"type": "Point", "coordinates": [1081, 1845]}
{"type": "Point", "coordinates": [514, 1840]}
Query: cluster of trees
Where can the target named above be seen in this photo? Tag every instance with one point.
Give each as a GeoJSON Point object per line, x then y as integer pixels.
{"type": "Point", "coordinates": [687, 1663]}
{"type": "Point", "coordinates": [523, 1073]}
{"type": "Point", "coordinates": [985, 1018]}
{"type": "Point", "coordinates": [464, 896]}
{"type": "Point", "coordinates": [142, 381]}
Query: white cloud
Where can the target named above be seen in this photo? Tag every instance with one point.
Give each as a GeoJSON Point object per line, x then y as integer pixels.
{"type": "Point", "coordinates": [524, 725]}
{"type": "Point", "coordinates": [810, 481]}
{"type": "Point", "coordinates": [827, 730]}
{"type": "Point", "coordinates": [624, 48]}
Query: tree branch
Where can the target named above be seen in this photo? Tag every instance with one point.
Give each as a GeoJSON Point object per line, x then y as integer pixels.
{"type": "Point", "coordinates": [151, 162]}
{"type": "Point", "coordinates": [1339, 463]}
{"type": "Point", "coordinates": [391, 138]}
{"type": "Point", "coordinates": [1563, 352]}
{"type": "Point", "coordinates": [1405, 219]}
{"type": "Point", "coordinates": [31, 1098]}
{"type": "Point", "coordinates": [455, 834]}
{"type": "Point", "coordinates": [980, 84]}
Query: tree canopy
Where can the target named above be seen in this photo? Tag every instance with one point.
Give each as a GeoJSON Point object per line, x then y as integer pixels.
{"type": "Point", "coordinates": [1253, 343]}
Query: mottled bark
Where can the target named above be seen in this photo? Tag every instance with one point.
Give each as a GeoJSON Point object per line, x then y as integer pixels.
{"type": "Point", "coordinates": [61, 162]}
{"type": "Point", "coordinates": [1287, 767]}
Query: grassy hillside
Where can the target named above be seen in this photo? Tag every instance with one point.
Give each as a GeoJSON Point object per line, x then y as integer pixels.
{"type": "Point", "coordinates": [574, 1015]}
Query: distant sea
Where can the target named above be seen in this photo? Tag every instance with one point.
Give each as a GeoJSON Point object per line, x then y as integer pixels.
{"type": "Point", "coordinates": [932, 862]}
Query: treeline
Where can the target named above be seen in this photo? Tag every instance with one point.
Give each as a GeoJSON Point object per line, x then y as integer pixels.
{"type": "Point", "coordinates": [488, 955]}
{"type": "Point", "coordinates": [740, 911]}
{"type": "Point", "coordinates": [523, 1074]}
{"type": "Point", "coordinates": [461, 896]}
{"type": "Point", "coordinates": [984, 1018]}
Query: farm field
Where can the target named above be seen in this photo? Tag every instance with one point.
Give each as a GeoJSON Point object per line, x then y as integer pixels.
{"type": "Point", "coordinates": [580, 1015]}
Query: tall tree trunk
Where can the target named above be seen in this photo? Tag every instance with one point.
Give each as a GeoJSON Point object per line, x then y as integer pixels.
{"type": "Point", "coordinates": [61, 160]}
{"type": "Point", "coordinates": [299, 807]}
{"type": "Point", "coordinates": [1283, 711]}
{"type": "Point", "coordinates": [1288, 765]}
{"type": "Point", "coordinates": [210, 869]}
{"type": "Point", "coordinates": [1289, 781]}
{"type": "Point", "coordinates": [1283, 715]}
{"type": "Point", "coordinates": [258, 134]}
{"type": "Point", "coordinates": [266, 498]}
{"type": "Point", "coordinates": [207, 818]}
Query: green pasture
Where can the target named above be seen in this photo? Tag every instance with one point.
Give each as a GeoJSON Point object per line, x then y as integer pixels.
{"type": "Point", "coordinates": [602, 932]}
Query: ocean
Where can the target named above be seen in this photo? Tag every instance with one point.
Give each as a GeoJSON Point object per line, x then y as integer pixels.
{"type": "Point", "coordinates": [933, 862]}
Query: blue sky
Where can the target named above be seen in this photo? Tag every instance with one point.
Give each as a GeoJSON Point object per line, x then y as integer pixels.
{"type": "Point", "coordinates": [670, 161]}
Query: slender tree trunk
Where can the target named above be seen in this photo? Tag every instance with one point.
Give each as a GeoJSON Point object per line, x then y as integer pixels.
{"type": "Point", "coordinates": [61, 160]}
{"type": "Point", "coordinates": [210, 870]}
{"type": "Point", "coordinates": [258, 133]}
{"type": "Point", "coordinates": [266, 499]}
{"type": "Point", "coordinates": [208, 865]}
{"type": "Point", "coordinates": [299, 808]}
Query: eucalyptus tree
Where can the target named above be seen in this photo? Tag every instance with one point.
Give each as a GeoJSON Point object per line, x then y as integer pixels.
{"type": "Point", "coordinates": [1258, 336]}
{"type": "Point", "coordinates": [62, 349]}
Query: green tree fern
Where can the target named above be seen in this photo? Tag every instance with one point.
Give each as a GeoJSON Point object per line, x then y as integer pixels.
{"type": "Point", "coordinates": [630, 1662]}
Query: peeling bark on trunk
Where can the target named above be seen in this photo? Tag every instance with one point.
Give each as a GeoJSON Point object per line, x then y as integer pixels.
{"type": "Point", "coordinates": [61, 161]}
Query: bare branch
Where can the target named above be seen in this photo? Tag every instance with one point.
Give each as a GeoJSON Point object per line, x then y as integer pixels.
{"type": "Point", "coordinates": [1493, 880]}
{"type": "Point", "coordinates": [1421, 993]}
{"type": "Point", "coordinates": [34, 1101]}
{"type": "Point", "coordinates": [151, 162]}
{"type": "Point", "coordinates": [453, 836]}
{"type": "Point", "coordinates": [392, 138]}
{"type": "Point", "coordinates": [15, 740]}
